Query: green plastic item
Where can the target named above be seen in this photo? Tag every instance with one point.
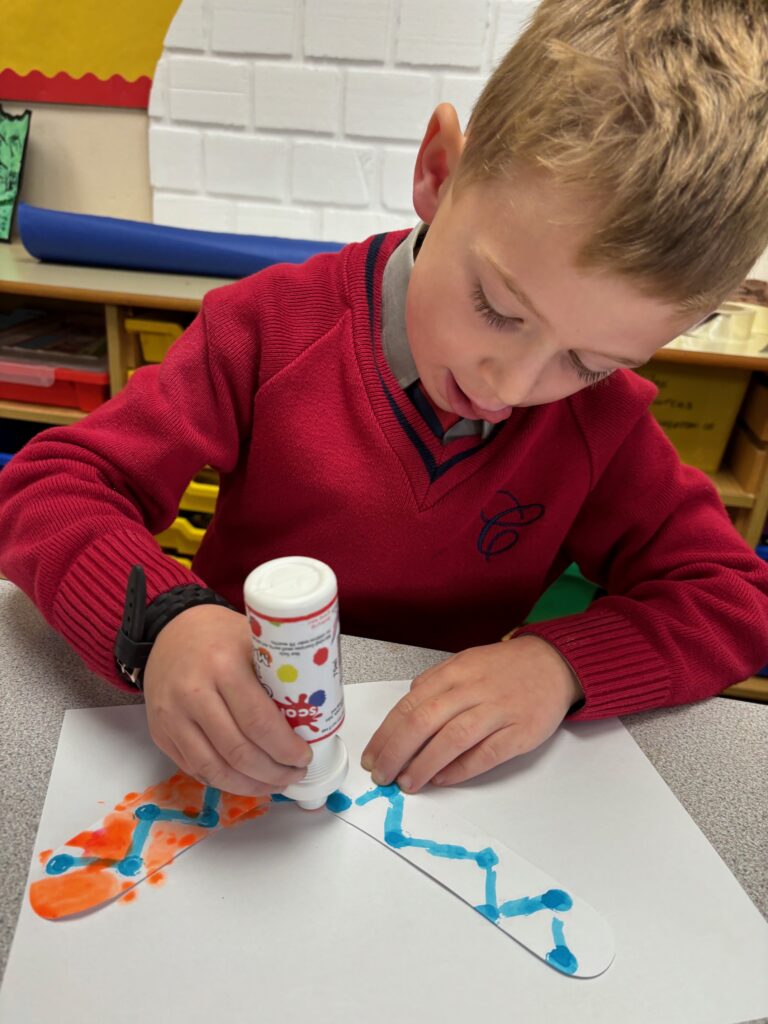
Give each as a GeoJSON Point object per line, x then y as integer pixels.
{"type": "Point", "coordinates": [568, 595]}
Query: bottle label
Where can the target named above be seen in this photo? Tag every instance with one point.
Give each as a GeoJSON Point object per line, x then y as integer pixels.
{"type": "Point", "coordinates": [298, 663]}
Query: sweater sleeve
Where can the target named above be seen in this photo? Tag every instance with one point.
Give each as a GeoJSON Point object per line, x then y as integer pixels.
{"type": "Point", "coordinates": [80, 504]}
{"type": "Point", "coordinates": [686, 609]}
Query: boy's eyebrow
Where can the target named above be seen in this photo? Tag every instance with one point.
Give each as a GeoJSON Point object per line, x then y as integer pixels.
{"type": "Point", "coordinates": [511, 284]}
{"type": "Point", "coordinates": [518, 292]}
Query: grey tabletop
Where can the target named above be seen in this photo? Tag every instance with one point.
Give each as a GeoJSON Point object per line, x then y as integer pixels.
{"type": "Point", "coordinates": [712, 755]}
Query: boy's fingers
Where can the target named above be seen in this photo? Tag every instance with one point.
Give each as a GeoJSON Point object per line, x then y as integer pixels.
{"type": "Point", "coordinates": [208, 767]}
{"type": "Point", "coordinates": [411, 724]}
{"type": "Point", "coordinates": [428, 673]}
{"type": "Point", "coordinates": [461, 734]}
{"type": "Point", "coordinates": [427, 689]}
{"type": "Point", "coordinates": [236, 749]}
{"type": "Point", "coordinates": [496, 748]}
{"type": "Point", "coordinates": [260, 721]}
{"type": "Point", "coordinates": [169, 748]}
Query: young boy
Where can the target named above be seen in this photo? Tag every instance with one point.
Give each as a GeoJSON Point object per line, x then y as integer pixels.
{"type": "Point", "coordinates": [446, 416]}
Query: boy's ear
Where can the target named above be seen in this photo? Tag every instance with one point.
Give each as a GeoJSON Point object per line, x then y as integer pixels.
{"type": "Point", "coordinates": [437, 159]}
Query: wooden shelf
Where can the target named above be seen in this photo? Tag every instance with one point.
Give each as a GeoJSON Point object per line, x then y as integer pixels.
{"type": "Point", "coordinates": [732, 494]}
{"type": "Point", "coordinates": [39, 413]}
{"type": "Point", "coordinates": [702, 358]}
{"type": "Point", "coordinates": [23, 275]}
{"type": "Point", "coordinates": [755, 688]}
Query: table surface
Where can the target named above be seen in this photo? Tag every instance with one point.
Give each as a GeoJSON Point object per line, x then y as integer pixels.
{"type": "Point", "coordinates": [712, 754]}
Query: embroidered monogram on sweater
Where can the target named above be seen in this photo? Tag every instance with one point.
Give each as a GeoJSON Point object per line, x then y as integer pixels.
{"type": "Point", "coordinates": [501, 530]}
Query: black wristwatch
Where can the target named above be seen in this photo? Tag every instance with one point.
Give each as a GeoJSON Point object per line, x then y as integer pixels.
{"type": "Point", "coordinates": [142, 623]}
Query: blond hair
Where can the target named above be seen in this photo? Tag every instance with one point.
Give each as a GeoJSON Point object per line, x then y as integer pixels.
{"type": "Point", "coordinates": [659, 110]}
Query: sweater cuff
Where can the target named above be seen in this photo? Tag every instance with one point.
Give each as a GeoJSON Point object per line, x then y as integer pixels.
{"type": "Point", "coordinates": [618, 669]}
{"type": "Point", "coordinates": [89, 605]}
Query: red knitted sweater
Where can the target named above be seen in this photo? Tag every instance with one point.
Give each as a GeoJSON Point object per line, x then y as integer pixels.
{"type": "Point", "coordinates": [281, 385]}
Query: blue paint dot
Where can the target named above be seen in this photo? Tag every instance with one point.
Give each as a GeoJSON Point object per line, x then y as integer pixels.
{"type": "Point", "coordinates": [396, 839]}
{"type": "Point", "coordinates": [278, 798]}
{"type": "Point", "coordinates": [489, 911]}
{"type": "Point", "coordinates": [486, 858]}
{"type": "Point", "coordinates": [391, 790]}
{"type": "Point", "coordinates": [147, 812]}
{"type": "Point", "coordinates": [563, 959]}
{"type": "Point", "coordinates": [58, 865]}
{"type": "Point", "coordinates": [338, 802]}
{"type": "Point", "coordinates": [317, 699]}
{"type": "Point", "coordinates": [129, 865]}
{"type": "Point", "coordinates": [556, 899]}
{"type": "Point", "coordinates": [208, 818]}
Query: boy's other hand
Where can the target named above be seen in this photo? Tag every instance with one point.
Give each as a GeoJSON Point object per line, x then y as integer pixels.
{"type": "Point", "coordinates": [472, 712]}
{"type": "Point", "coordinates": [208, 712]}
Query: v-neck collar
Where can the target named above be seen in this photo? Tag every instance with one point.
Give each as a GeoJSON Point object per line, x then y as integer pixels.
{"type": "Point", "coordinates": [396, 346]}
{"type": "Point", "coordinates": [432, 468]}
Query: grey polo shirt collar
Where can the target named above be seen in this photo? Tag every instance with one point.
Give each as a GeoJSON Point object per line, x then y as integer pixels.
{"type": "Point", "coordinates": [394, 338]}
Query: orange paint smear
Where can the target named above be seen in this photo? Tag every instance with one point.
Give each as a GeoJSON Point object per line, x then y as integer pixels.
{"type": "Point", "coordinates": [129, 897]}
{"type": "Point", "coordinates": [44, 855]}
{"type": "Point", "coordinates": [234, 809]}
{"type": "Point", "coordinates": [54, 898]}
{"type": "Point", "coordinates": [112, 840]}
{"type": "Point", "coordinates": [86, 888]}
{"type": "Point", "coordinates": [256, 812]}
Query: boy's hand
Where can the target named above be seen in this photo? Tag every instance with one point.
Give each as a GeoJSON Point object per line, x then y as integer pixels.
{"type": "Point", "coordinates": [207, 710]}
{"type": "Point", "coordinates": [471, 713]}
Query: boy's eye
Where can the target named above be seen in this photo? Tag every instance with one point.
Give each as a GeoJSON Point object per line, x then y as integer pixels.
{"type": "Point", "coordinates": [489, 314]}
{"type": "Point", "coordinates": [584, 373]}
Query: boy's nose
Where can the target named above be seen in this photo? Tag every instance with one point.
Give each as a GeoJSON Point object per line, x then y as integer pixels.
{"type": "Point", "coordinates": [515, 383]}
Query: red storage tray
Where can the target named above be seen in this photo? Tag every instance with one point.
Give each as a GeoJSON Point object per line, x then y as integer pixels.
{"type": "Point", "coordinates": [48, 385]}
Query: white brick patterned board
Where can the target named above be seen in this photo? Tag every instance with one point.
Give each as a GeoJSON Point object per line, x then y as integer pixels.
{"type": "Point", "coordinates": [246, 165]}
{"type": "Point", "coordinates": [436, 32]}
{"type": "Point", "coordinates": [242, 26]}
{"type": "Point", "coordinates": [347, 29]}
{"type": "Point", "coordinates": [302, 118]}
{"type": "Point", "coordinates": [327, 172]}
{"type": "Point", "coordinates": [188, 29]}
{"type": "Point", "coordinates": [295, 97]}
{"type": "Point", "coordinates": [175, 158]}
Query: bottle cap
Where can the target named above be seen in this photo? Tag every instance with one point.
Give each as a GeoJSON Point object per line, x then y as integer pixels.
{"type": "Point", "coordinates": [288, 588]}
{"type": "Point", "coordinates": [326, 773]}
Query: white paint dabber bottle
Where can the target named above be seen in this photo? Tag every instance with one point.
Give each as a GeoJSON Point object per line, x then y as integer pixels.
{"type": "Point", "coordinates": [293, 609]}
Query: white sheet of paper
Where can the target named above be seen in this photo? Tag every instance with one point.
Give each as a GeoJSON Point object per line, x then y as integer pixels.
{"type": "Point", "coordinates": [539, 911]}
{"type": "Point", "coordinates": [295, 916]}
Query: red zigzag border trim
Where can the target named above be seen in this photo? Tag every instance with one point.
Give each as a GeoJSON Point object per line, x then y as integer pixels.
{"type": "Point", "coordinates": [63, 88]}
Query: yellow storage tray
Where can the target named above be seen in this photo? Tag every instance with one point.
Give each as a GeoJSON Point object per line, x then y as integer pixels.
{"type": "Point", "coordinates": [181, 536]}
{"type": "Point", "coordinates": [696, 408]}
{"type": "Point", "coordinates": [199, 497]}
{"type": "Point", "coordinates": [155, 336]}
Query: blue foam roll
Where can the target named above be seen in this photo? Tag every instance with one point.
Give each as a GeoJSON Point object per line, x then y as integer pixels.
{"type": "Point", "coordinates": [111, 242]}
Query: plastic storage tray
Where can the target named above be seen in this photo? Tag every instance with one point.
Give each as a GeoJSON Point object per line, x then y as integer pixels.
{"type": "Point", "coordinates": [155, 336]}
{"type": "Point", "coordinates": [181, 536]}
{"type": "Point", "coordinates": [199, 497]}
{"type": "Point", "coordinates": [53, 361]}
{"type": "Point", "coordinates": [50, 385]}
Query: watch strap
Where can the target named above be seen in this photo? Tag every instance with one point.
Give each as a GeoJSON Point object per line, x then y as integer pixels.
{"type": "Point", "coordinates": [142, 623]}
